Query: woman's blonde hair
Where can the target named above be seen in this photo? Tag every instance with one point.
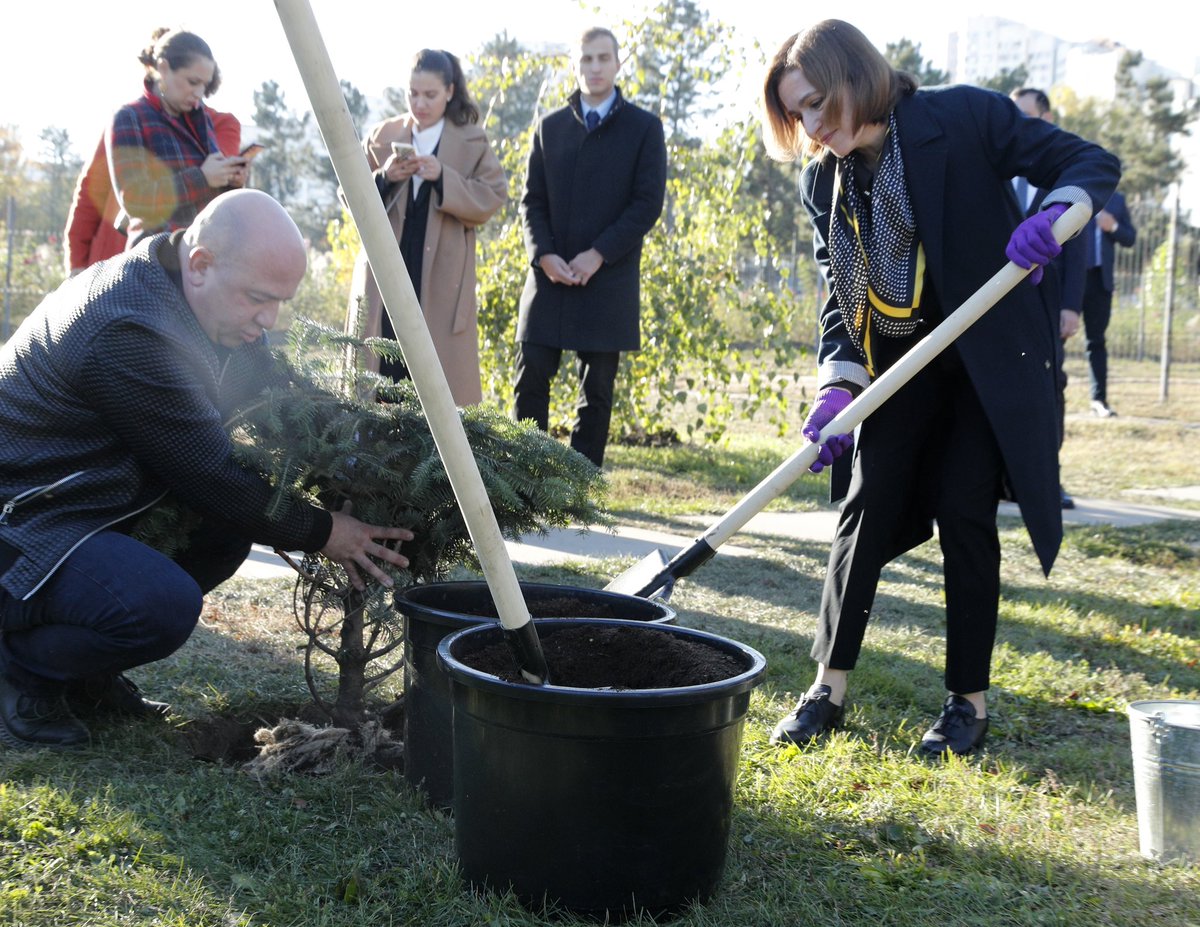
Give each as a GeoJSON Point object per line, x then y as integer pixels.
{"type": "Point", "coordinates": [846, 69]}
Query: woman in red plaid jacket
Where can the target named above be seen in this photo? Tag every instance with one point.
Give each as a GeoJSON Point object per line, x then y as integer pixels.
{"type": "Point", "coordinates": [162, 150]}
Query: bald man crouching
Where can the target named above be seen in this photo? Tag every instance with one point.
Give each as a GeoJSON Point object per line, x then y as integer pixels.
{"type": "Point", "coordinates": [113, 393]}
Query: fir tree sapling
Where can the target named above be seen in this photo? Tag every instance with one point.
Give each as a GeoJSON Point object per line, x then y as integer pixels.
{"type": "Point", "coordinates": [320, 435]}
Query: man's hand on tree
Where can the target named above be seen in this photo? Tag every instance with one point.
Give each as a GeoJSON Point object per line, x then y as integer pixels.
{"type": "Point", "coordinates": [353, 543]}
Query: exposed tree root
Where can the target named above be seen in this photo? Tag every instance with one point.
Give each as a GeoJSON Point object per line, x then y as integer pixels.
{"type": "Point", "coordinates": [294, 746]}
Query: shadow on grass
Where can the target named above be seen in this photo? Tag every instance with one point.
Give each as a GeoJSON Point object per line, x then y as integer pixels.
{"type": "Point", "coordinates": [897, 692]}
{"type": "Point", "coordinates": [861, 867]}
{"type": "Point", "coordinates": [357, 847]}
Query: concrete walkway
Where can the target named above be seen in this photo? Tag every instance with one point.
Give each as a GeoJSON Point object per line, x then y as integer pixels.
{"type": "Point", "coordinates": [563, 545]}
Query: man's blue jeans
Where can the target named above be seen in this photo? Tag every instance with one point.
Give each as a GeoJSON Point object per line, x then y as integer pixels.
{"type": "Point", "coordinates": [113, 604]}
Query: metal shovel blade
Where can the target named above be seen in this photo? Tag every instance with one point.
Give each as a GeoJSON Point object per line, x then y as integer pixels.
{"type": "Point", "coordinates": [644, 575]}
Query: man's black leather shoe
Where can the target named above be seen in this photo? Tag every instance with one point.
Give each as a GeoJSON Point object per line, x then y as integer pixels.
{"type": "Point", "coordinates": [112, 695]}
{"type": "Point", "coordinates": [38, 721]}
{"type": "Point", "coordinates": [814, 715]}
{"type": "Point", "coordinates": [1067, 501]}
{"type": "Point", "coordinates": [957, 730]}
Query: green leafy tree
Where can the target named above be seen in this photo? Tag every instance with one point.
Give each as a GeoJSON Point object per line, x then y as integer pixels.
{"type": "Point", "coordinates": [714, 344]}
{"type": "Point", "coordinates": [1006, 80]}
{"type": "Point", "coordinates": [11, 161]}
{"type": "Point", "coordinates": [36, 268]}
{"type": "Point", "coordinates": [292, 169]}
{"type": "Point", "coordinates": [1140, 128]}
{"type": "Point", "coordinates": [356, 103]}
{"type": "Point", "coordinates": [1155, 278]}
{"type": "Point", "coordinates": [59, 166]}
{"type": "Point", "coordinates": [675, 60]}
{"type": "Point", "coordinates": [325, 206]}
{"type": "Point", "coordinates": [772, 188]}
{"type": "Point", "coordinates": [1084, 116]}
{"type": "Point", "coordinates": [905, 55]}
{"type": "Point", "coordinates": [279, 168]}
{"type": "Point", "coordinates": [508, 101]}
{"type": "Point", "coordinates": [39, 194]}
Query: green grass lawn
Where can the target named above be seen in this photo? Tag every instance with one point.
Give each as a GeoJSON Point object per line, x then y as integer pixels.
{"type": "Point", "coordinates": [1039, 829]}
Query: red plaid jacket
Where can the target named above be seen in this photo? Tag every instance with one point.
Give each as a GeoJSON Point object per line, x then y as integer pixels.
{"type": "Point", "coordinates": [154, 160]}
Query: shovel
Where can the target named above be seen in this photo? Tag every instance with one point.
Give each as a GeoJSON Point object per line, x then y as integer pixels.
{"type": "Point", "coordinates": [654, 576]}
{"type": "Point", "coordinates": [420, 356]}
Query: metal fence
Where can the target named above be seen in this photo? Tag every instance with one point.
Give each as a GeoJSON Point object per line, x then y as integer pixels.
{"type": "Point", "coordinates": [1143, 297]}
{"type": "Point", "coordinates": [32, 265]}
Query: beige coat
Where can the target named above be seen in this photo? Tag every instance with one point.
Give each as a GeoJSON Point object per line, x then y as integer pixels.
{"type": "Point", "coordinates": [474, 188]}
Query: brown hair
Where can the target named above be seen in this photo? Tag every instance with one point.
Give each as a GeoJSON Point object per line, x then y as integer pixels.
{"type": "Point", "coordinates": [844, 67]}
{"type": "Point", "coordinates": [178, 48]}
{"type": "Point", "coordinates": [460, 109]}
{"type": "Point", "coordinates": [596, 32]}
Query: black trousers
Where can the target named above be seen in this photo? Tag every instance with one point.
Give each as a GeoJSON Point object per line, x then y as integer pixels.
{"type": "Point", "coordinates": [928, 452]}
{"type": "Point", "coordinates": [1097, 312]}
{"type": "Point", "coordinates": [537, 365]}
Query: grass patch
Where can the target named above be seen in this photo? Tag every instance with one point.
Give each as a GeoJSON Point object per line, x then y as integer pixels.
{"type": "Point", "coordinates": [1040, 829]}
{"type": "Point", "coordinates": [686, 480]}
{"type": "Point", "coordinates": [1170, 547]}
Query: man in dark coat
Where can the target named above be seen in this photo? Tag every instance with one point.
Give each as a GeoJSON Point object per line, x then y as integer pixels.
{"type": "Point", "coordinates": [1110, 226]}
{"type": "Point", "coordinates": [594, 188]}
{"type": "Point", "coordinates": [112, 394]}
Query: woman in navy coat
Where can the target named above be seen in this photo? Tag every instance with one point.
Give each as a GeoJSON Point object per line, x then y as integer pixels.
{"type": "Point", "coordinates": [912, 209]}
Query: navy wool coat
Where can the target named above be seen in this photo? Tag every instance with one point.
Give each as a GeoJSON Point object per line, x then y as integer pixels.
{"type": "Point", "coordinates": [602, 189]}
{"type": "Point", "coordinates": [961, 148]}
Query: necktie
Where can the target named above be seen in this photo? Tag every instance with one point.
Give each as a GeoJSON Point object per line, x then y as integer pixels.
{"type": "Point", "coordinates": [592, 119]}
{"type": "Point", "coordinates": [1022, 193]}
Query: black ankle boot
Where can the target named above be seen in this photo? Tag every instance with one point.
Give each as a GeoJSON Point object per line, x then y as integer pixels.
{"type": "Point", "coordinates": [112, 695]}
{"type": "Point", "coordinates": [38, 720]}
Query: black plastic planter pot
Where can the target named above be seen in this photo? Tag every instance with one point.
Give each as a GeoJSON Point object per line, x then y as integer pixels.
{"type": "Point", "coordinates": [434, 610]}
{"type": "Point", "coordinates": [606, 802]}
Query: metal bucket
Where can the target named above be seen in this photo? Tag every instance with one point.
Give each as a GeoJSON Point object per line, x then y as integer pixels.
{"type": "Point", "coordinates": [1165, 736]}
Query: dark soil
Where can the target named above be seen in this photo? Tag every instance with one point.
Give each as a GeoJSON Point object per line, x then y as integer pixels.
{"type": "Point", "coordinates": [225, 739]}
{"type": "Point", "coordinates": [218, 739]}
{"type": "Point", "coordinates": [605, 657]}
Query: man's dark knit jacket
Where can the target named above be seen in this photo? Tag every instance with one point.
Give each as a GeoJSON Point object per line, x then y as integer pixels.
{"type": "Point", "coordinates": [111, 395]}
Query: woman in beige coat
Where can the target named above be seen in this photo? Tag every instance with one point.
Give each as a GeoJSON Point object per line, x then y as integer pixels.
{"type": "Point", "coordinates": [440, 180]}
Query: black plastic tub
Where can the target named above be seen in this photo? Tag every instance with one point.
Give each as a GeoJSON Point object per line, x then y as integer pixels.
{"type": "Point", "coordinates": [432, 611]}
{"type": "Point", "coordinates": [608, 803]}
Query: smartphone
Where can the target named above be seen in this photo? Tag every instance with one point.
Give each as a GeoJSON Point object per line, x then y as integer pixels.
{"type": "Point", "coordinates": [403, 150]}
{"type": "Point", "coordinates": [251, 150]}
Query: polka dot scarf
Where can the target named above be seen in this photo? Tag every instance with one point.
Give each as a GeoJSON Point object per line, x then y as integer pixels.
{"type": "Point", "coordinates": [878, 265]}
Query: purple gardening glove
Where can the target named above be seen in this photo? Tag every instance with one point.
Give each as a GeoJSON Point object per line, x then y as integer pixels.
{"type": "Point", "coordinates": [1032, 243]}
{"type": "Point", "coordinates": [825, 408]}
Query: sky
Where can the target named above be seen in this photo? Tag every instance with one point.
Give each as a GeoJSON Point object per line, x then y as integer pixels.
{"type": "Point", "coordinates": [70, 63]}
